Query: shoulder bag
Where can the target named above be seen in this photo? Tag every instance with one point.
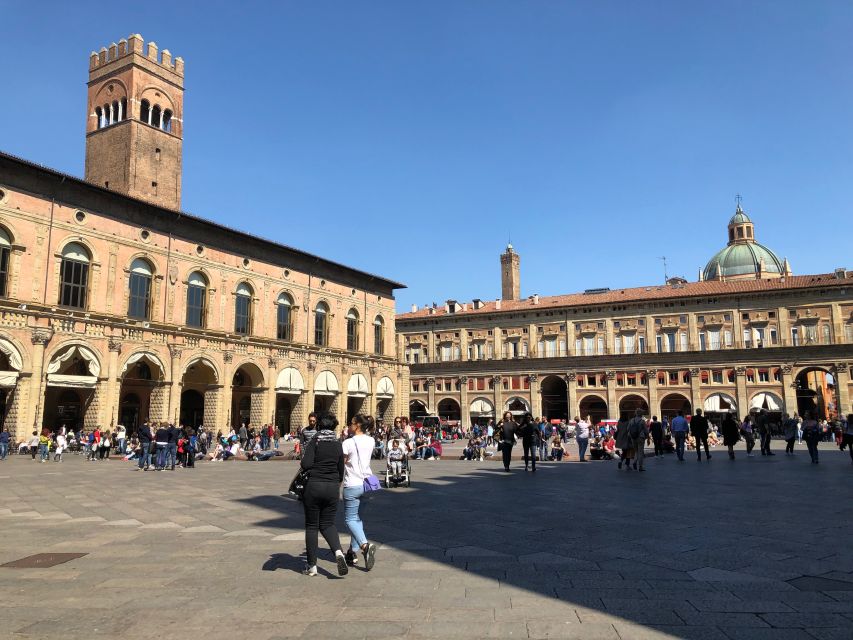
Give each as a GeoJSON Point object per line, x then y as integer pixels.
{"type": "Point", "coordinates": [371, 482]}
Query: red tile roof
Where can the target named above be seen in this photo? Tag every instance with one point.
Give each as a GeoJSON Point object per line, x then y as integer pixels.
{"type": "Point", "coordinates": [641, 294]}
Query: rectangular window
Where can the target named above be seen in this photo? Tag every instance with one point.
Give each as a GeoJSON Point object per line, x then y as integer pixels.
{"type": "Point", "coordinates": [4, 272]}
{"type": "Point", "coordinates": [416, 386]}
{"type": "Point", "coordinates": [470, 352]}
{"type": "Point", "coordinates": [641, 344]}
{"type": "Point", "coordinates": [416, 356]}
{"type": "Point", "coordinates": [659, 343]}
{"type": "Point", "coordinates": [747, 338]}
{"type": "Point", "coordinates": [601, 345]}
{"type": "Point", "coordinates": [562, 348]}
{"type": "Point", "coordinates": [763, 375]}
{"type": "Point", "coordinates": [702, 342]}
{"type": "Point", "coordinates": [446, 352]}
{"type": "Point", "coordinates": [617, 344]}
{"type": "Point", "coordinates": [728, 338]}
{"type": "Point", "coordinates": [810, 334]}
{"type": "Point", "coordinates": [827, 334]}
{"type": "Point", "coordinates": [579, 347]}
{"type": "Point", "coordinates": [140, 295]}
{"type": "Point", "coordinates": [284, 330]}
{"type": "Point", "coordinates": [670, 342]}
{"type": "Point", "coordinates": [74, 277]}
{"type": "Point", "coordinates": [774, 336]}
{"type": "Point", "coordinates": [795, 337]}
{"type": "Point", "coordinates": [683, 341]}
{"type": "Point", "coordinates": [524, 348]}
{"type": "Point", "coordinates": [540, 348]}
{"type": "Point", "coordinates": [717, 377]}
{"type": "Point", "coordinates": [196, 306]}
{"type": "Point", "coordinates": [673, 377]}
{"type": "Point", "coordinates": [591, 381]}
{"type": "Point", "coordinates": [589, 346]}
{"type": "Point", "coordinates": [848, 331]}
{"type": "Point", "coordinates": [628, 343]}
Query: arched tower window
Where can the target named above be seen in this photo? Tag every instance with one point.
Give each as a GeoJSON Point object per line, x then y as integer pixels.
{"type": "Point", "coordinates": [352, 330]}
{"type": "Point", "coordinates": [139, 300]}
{"type": "Point", "coordinates": [167, 120]}
{"type": "Point", "coordinates": [123, 109]}
{"type": "Point", "coordinates": [196, 300]}
{"type": "Point", "coordinates": [5, 253]}
{"type": "Point", "coordinates": [156, 114]}
{"type": "Point", "coordinates": [321, 324]}
{"type": "Point", "coordinates": [74, 276]}
{"type": "Point", "coordinates": [145, 111]}
{"type": "Point", "coordinates": [99, 114]}
{"type": "Point", "coordinates": [116, 112]}
{"type": "Point", "coordinates": [243, 309]}
{"type": "Point", "coordinates": [284, 326]}
{"type": "Point", "coordinates": [378, 335]}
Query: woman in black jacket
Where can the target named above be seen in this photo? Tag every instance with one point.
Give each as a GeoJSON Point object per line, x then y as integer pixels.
{"type": "Point", "coordinates": [323, 459]}
{"type": "Point", "coordinates": [529, 433]}
{"type": "Point", "coordinates": [507, 429]}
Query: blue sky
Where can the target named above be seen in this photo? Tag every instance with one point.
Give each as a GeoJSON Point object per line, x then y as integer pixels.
{"type": "Point", "coordinates": [412, 139]}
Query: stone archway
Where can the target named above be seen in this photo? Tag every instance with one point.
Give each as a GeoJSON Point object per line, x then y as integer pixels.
{"type": "Point", "coordinates": [143, 392]}
{"type": "Point", "coordinates": [555, 399]}
{"type": "Point", "coordinates": [247, 396]}
{"type": "Point", "coordinates": [73, 371]}
{"type": "Point", "coordinates": [816, 393]}
{"type": "Point", "coordinates": [417, 410]}
{"type": "Point", "coordinates": [326, 393]}
{"type": "Point", "coordinates": [199, 408]}
{"type": "Point", "coordinates": [592, 407]}
{"type": "Point", "coordinates": [671, 404]}
{"type": "Point", "coordinates": [290, 400]}
{"type": "Point", "coordinates": [449, 409]}
{"type": "Point", "coordinates": [629, 404]}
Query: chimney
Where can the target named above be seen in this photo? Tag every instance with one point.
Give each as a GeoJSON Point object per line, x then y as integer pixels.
{"type": "Point", "coordinates": [414, 308]}
{"type": "Point", "coordinates": [498, 304]}
{"type": "Point", "coordinates": [534, 298]}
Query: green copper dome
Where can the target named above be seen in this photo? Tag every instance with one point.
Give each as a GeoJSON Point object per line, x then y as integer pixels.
{"type": "Point", "coordinates": [739, 217]}
{"type": "Point", "coordinates": [742, 259]}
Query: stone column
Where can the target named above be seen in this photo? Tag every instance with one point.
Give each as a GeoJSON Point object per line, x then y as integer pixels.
{"type": "Point", "coordinates": [612, 405]}
{"type": "Point", "coordinates": [652, 382]}
{"type": "Point", "coordinates": [370, 400]}
{"type": "Point", "coordinates": [572, 393]}
{"type": "Point", "coordinates": [535, 395]}
{"type": "Point", "coordinates": [464, 405]}
{"type": "Point", "coordinates": [270, 396]}
{"type": "Point", "coordinates": [692, 333]}
{"type": "Point", "coordinates": [841, 374]}
{"type": "Point", "coordinates": [742, 394]}
{"type": "Point", "coordinates": [174, 407]}
{"type": "Point", "coordinates": [226, 392]}
{"type": "Point", "coordinates": [695, 390]}
{"type": "Point", "coordinates": [308, 396]}
{"type": "Point", "coordinates": [789, 389]}
{"type": "Point", "coordinates": [431, 347]}
{"type": "Point", "coordinates": [784, 328]}
{"type": "Point", "coordinates": [430, 383]}
{"type": "Point", "coordinates": [608, 337]}
{"type": "Point", "coordinates": [651, 336]}
{"type": "Point", "coordinates": [40, 337]}
{"type": "Point", "coordinates": [497, 336]}
{"type": "Point", "coordinates": [737, 323]}
{"type": "Point", "coordinates": [109, 406]}
{"type": "Point", "coordinates": [499, 403]}
{"type": "Point", "coordinates": [837, 324]}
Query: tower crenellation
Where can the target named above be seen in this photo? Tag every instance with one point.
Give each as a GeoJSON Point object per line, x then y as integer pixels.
{"type": "Point", "coordinates": [135, 45]}
{"type": "Point", "coordinates": [134, 128]}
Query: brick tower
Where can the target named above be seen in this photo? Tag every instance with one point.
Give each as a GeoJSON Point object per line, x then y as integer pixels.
{"type": "Point", "coordinates": [510, 274]}
{"type": "Point", "coordinates": [134, 128]}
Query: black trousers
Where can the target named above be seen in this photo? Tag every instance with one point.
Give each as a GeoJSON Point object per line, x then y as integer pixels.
{"type": "Point", "coordinates": [658, 439]}
{"type": "Point", "coordinates": [506, 451]}
{"type": "Point", "coordinates": [530, 449]}
{"type": "Point", "coordinates": [701, 439]}
{"type": "Point", "coordinates": [321, 506]}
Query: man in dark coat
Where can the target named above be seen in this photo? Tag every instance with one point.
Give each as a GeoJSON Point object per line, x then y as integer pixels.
{"type": "Point", "coordinates": [699, 429]}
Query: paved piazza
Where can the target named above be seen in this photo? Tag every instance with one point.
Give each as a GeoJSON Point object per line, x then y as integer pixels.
{"type": "Point", "coordinates": [755, 549]}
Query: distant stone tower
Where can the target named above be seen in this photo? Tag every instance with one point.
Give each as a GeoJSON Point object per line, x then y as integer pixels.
{"type": "Point", "coordinates": [510, 274]}
{"type": "Point", "coordinates": [134, 128]}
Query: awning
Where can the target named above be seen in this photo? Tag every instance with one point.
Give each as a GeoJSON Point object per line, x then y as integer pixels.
{"type": "Point", "coordinates": [720, 403]}
{"type": "Point", "coordinates": [385, 388]}
{"type": "Point", "coordinates": [482, 407]}
{"type": "Point", "coordinates": [74, 382]}
{"type": "Point", "coordinates": [326, 384]}
{"type": "Point", "coordinates": [8, 379]}
{"type": "Point", "coordinates": [145, 355]}
{"type": "Point", "coordinates": [12, 355]}
{"type": "Point", "coordinates": [92, 360]}
{"type": "Point", "coordinates": [289, 381]}
{"type": "Point", "coordinates": [358, 387]}
{"type": "Point", "coordinates": [765, 400]}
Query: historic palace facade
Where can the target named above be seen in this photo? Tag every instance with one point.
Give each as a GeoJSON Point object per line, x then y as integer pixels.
{"type": "Point", "coordinates": [116, 307]}
{"type": "Point", "coordinates": [748, 335]}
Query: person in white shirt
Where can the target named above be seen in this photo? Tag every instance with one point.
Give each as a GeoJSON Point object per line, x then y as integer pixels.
{"type": "Point", "coordinates": [357, 452]}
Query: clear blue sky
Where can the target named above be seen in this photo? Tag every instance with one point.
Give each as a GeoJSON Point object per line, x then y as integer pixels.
{"type": "Point", "coordinates": [411, 139]}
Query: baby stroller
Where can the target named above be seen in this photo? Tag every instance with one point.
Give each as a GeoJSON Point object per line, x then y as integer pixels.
{"type": "Point", "coordinates": [405, 477]}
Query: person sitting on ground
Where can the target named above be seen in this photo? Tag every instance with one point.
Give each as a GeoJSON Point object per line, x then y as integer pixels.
{"type": "Point", "coordinates": [596, 450]}
{"type": "Point", "coordinates": [395, 458]}
{"type": "Point", "coordinates": [468, 451]}
{"type": "Point", "coordinates": [608, 448]}
{"type": "Point", "coordinates": [557, 451]}
{"type": "Point", "coordinates": [668, 445]}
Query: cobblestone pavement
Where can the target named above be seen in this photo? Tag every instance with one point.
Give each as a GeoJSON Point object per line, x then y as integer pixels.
{"type": "Point", "coordinates": [758, 549]}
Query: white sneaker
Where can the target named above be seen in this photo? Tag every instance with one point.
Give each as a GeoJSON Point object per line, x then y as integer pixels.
{"type": "Point", "coordinates": [310, 570]}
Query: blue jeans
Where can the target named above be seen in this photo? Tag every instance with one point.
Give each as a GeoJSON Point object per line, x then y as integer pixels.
{"type": "Point", "coordinates": [121, 446]}
{"type": "Point", "coordinates": [171, 454]}
{"type": "Point", "coordinates": [43, 451]}
{"type": "Point", "coordinates": [4, 450]}
{"type": "Point", "coordinates": [145, 454]}
{"type": "Point", "coordinates": [161, 456]}
{"type": "Point", "coordinates": [583, 443]}
{"type": "Point", "coordinates": [680, 437]}
{"type": "Point", "coordinates": [352, 501]}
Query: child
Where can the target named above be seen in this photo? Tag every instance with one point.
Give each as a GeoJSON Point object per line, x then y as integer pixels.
{"type": "Point", "coordinates": [395, 459]}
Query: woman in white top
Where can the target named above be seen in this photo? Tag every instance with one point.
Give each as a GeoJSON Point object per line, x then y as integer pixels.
{"type": "Point", "coordinates": [61, 445]}
{"type": "Point", "coordinates": [357, 452]}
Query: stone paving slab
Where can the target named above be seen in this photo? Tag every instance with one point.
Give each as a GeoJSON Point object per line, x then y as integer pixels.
{"type": "Point", "coordinates": [467, 551]}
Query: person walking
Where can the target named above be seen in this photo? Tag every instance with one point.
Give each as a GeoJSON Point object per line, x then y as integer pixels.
{"type": "Point", "coordinates": [162, 445]}
{"type": "Point", "coordinates": [699, 430]}
{"type": "Point", "coordinates": [358, 450]}
{"type": "Point", "coordinates": [811, 434]}
{"type": "Point", "coordinates": [530, 437]}
{"type": "Point", "coordinates": [4, 443]}
{"type": "Point", "coordinates": [748, 435]}
{"type": "Point", "coordinates": [731, 434]}
{"type": "Point", "coordinates": [121, 439]}
{"type": "Point", "coordinates": [790, 426]}
{"type": "Point", "coordinates": [624, 443]}
{"type": "Point", "coordinates": [323, 459]}
{"type": "Point", "coordinates": [762, 422]}
{"type": "Point", "coordinates": [507, 429]}
{"type": "Point", "coordinates": [679, 428]}
{"type": "Point", "coordinates": [61, 445]}
{"type": "Point", "coordinates": [639, 432]}
{"type": "Point", "coordinates": [145, 438]}
{"type": "Point", "coordinates": [581, 437]}
{"type": "Point", "coordinates": [656, 430]}
{"type": "Point", "coordinates": [306, 433]}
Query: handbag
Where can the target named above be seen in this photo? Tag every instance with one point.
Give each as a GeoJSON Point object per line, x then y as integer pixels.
{"type": "Point", "coordinates": [500, 445]}
{"type": "Point", "coordinates": [371, 482]}
{"type": "Point", "coordinates": [297, 485]}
